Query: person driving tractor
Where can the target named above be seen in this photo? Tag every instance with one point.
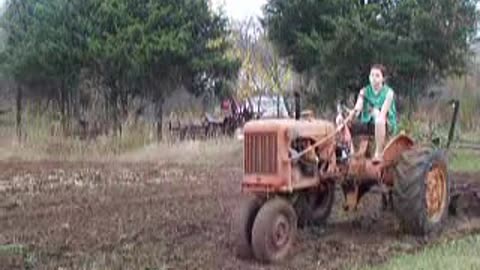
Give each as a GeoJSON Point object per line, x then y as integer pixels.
{"type": "Point", "coordinates": [375, 109]}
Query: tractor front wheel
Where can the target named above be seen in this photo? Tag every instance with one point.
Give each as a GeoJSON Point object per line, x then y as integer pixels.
{"type": "Point", "coordinates": [421, 190]}
{"type": "Point", "coordinates": [244, 217]}
{"type": "Point", "coordinates": [274, 230]}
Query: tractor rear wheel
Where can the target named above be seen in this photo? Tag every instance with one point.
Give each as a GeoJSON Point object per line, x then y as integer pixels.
{"type": "Point", "coordinates": [274, 230]}
{"type": "Point", "coordinates": [421, 190]}
{"type": "Point", "coordinates": [244, 217]}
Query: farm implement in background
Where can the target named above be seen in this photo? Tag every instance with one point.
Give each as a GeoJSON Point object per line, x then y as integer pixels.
{"type": "Point", "coordinates": [234, 117]}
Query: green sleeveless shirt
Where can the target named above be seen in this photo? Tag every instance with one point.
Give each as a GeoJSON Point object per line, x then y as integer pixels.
{"type": "Point", "coordinates": [377, 101]}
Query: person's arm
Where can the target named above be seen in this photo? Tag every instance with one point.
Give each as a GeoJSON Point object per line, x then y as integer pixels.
{"type": "Point", "coordinates": [359, 105]}
{"type": "Point", "coordinates": [386, 105]}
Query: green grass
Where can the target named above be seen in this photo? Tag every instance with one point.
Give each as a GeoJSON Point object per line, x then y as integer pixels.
{"type": "Point", "coordinates": [465, 161]}
{"type": "Point", "coordinates": [20, 252]}
{"type": "Point", "coordinates": [11, 250]}
{"type": "Point", "coordinates": [454, 255]}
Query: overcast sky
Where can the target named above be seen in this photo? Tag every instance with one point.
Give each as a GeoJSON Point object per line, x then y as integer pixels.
{"type": "Point", "coordinates": [239, 9]}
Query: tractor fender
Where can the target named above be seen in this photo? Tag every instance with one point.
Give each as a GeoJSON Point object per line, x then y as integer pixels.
{"type": "Point", "coordinates": [396, 146]}
{"type": "Point", "coordinates": [392, 151]}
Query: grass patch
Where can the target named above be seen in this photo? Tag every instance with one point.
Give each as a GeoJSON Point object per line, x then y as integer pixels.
{"type": "Point", "coordinates": [465, 161]}
{"type": "Point", "coordinates": [43, 138]}
{"type": "Point", "coordinates": [221, 151]}
{"type": "Point", "coordinates": [137, 144]}
{"type": "Point", "coordinates": [454, 255]}
{"type": "Point", "coordinates": [16, 256]}
{"type": "Point", "coordinates": [130, 148]}
{"type": "Point", "coordinates": [7, 250]}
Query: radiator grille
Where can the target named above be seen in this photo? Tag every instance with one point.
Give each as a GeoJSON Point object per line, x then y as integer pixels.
{"type": "Point", "coordinates": [260, 156]}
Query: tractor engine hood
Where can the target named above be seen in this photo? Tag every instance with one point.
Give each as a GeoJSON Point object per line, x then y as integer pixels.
{"type": "Point", "coordinates": [312, 128]}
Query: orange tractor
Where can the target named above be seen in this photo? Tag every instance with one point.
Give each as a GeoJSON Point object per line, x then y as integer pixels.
{"type": "Point", "coordinates": [292, 168]}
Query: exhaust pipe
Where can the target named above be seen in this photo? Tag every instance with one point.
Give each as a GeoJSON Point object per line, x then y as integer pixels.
{"type": "Point", "coordinates": [297, 105]}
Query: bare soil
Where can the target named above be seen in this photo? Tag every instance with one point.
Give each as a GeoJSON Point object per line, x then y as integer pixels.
{"type": "Point", "coordinates": [165, 216]}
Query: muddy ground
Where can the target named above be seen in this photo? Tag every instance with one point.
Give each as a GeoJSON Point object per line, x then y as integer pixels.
{"type": "Point", "coordinates": [151, 216]}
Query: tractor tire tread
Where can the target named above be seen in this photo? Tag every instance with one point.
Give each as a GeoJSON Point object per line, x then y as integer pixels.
{"type": "Point", "coordinates": [409, 192]}
{"type": "Point", "coordinates": [243, 219]}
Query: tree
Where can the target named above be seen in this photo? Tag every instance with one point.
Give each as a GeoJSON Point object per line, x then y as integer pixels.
{"type": "Point", "coordinates": [336, 41]}
{"type": "Point", "coordinates": [154, 46]}
{"type": "Point", "coordinates": [142, 48]}
{"type": "Point", "coordinates": [262, 70]}
{"type": "Point", "coordinates": [15, 56]}
{"type": "Point", "coordinates": [45, 48]}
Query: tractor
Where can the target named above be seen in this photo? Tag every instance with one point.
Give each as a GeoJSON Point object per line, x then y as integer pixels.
{"type": "Point", "coordinates": [292, 168]}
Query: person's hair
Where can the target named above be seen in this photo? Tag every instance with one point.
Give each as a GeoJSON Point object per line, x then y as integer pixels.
{"type": "Point", "coordinates": [382, 69]}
